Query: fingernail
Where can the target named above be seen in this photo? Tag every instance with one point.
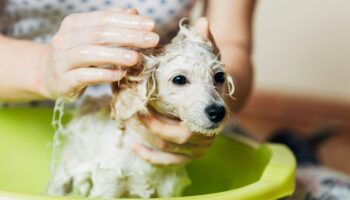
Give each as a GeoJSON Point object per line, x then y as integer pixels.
{"type": "Point", "coordinates": [129, 56]}
{"type": "Point", "coordinates": [148, 23]}
{"type": "Point", "coordinates": [150, 38]}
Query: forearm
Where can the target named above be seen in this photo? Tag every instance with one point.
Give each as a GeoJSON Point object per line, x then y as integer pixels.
{"type": "Point", "coordinates": [21, 75]}
{"type": "Point", "coordinates": [231, 25]}
{"type": "Point", "coordinates": [239, 66]}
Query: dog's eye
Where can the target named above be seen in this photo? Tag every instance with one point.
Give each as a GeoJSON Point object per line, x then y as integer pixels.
{"type": "Point", "coordinates": [219, 77]}
{"type": "Point", "coordinates": [180, 80]}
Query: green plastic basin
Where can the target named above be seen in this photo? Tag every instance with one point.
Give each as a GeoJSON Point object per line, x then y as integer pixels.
{"type": "Point", "coordinates": [230, 170]}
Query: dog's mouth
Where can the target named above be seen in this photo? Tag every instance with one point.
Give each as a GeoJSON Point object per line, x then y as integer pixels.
{"type": "Point", "coordinates": [169, 119]}
{"type": "Point", "coordinates": [208, 131]}
{"type": "Point", "coordinates": [214, 126]}
{"type": "Point", "coordinates": [211, 130]}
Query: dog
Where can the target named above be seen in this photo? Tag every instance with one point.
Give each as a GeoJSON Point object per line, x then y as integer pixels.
{"type": "Point", "coordinates": [185, 81]}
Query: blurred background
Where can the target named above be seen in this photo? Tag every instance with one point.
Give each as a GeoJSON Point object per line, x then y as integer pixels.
{"type": "Point", "coordinates": [302, 74]}
{"type": "Point", "coordinates": [303, 47]}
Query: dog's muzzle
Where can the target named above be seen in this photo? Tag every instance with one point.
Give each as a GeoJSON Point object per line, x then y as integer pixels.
{"type": "Point", "coordinates": [215, 112]}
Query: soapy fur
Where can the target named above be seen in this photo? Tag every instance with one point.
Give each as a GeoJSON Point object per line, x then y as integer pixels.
{"type": "Point", "coordinates": [96, 159]}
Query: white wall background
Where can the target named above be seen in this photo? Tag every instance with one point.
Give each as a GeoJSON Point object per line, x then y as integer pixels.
{"type": "Point", "coordinates": [303, 47]}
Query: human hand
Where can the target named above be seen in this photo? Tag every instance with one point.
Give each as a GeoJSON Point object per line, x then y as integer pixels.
{"type": "Point", "coordinates": [173, 142]}
{"type": "Point", "coordinates": [87, 40]}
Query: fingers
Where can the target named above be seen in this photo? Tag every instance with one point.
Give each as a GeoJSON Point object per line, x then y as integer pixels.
{"type": "Point", "coordinates": [188, 149]}
{"type": "Point", "coordinates": [173, 133]}
{"type": "Point", "coordinates": [202, 28]}
{"type": "Point", "coordinates": [90, 39]}
{"type": "Point", "coordinates": [171, 141]}
{"type": "Point", "coordinates": [132, 11]}
{"type": "Point", "coordinates": [117, 9]}
{"type": "Point", "coordinates": [158, 157]}
{"type": "Point", "coordinates": [78, 79]}
{"type": "Point", "coordinates": [94, 55]}
{"type": "Point", "coordinates": [112, 36]}
{"type": "Point", "coordinates": [202, 140]}
{"type": "Point", "coordinates": [118, 18]}
{"type": "Point", "coordinates": [194, 148]}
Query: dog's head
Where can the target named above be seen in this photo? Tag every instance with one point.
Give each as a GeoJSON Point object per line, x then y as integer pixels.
{"type": "Point", "coordinates": [186, 81]}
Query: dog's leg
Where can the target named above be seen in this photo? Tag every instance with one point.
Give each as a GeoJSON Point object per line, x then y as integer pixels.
{"type": "Point", "coordinates": [82, 184]}
{"type": "Point", "coordinates": [60, 184]}
{"type": "Point", "coordinates": [172, 182]}
{"type": "Point", "coordinates": [108, 183]}
{"type": "Point", "coordinates": [142, 185]}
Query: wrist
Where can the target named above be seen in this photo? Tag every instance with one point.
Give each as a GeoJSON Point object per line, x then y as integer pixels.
{"type": "Point", "coordinates": [39, 82]}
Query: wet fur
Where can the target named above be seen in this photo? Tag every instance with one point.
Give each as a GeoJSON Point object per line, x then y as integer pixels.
{"type": "Point", "coordinates": [96, 160]}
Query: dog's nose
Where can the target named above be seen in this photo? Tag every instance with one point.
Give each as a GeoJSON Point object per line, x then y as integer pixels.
{"type": "Point", "coordinates": [215, 112]}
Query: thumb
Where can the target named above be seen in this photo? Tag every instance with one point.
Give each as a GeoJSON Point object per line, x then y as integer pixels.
{"type": "Point", "coordinates": [202, 28]}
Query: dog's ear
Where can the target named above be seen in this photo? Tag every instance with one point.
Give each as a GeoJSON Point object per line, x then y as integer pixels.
{"type": "Point", "coordinates": [129, 101]}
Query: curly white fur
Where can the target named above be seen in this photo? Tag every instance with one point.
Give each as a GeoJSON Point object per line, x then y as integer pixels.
{"type": "Point", "coordinates": [96, 159]}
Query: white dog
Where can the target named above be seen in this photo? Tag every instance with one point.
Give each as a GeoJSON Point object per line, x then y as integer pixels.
{"type": "Point", "coordinates": [185, 81]}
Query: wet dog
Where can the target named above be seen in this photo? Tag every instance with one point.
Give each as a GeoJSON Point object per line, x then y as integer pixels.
{"type": "Point", "coordinates": [185, 81]}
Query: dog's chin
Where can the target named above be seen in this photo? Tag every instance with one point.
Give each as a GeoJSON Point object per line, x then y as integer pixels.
{"type": "Point", "coordinates": [211, 130]}
{"type": "Point", "coordinates": [207, 131]}
{"type": "Point", "coordinates": [164, 116]}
